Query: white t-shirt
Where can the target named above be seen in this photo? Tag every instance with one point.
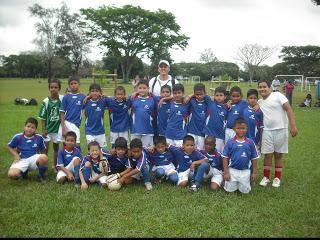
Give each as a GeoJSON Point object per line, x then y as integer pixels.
{"type": "Point", "coordinates": [159, 84]}
{"type": "Point", "coordinates": [274, 116]}
{"type": "Point", "coordinates": [275, 84]}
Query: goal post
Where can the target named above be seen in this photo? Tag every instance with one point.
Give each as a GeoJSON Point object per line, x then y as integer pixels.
{"type": "Point", "coordinates": [302, 81]}
{"type": "Point", "coordinates": [195, 79]}
{"type": "Point", "coordinates": [311, 81]}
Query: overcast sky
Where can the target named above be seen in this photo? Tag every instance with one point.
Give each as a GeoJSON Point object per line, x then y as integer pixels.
{"type": "Point", "coordinates": [222, 25]}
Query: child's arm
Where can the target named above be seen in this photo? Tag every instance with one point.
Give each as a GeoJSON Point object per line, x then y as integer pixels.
{"type": "Point", "coordinates": [254, 170]}
{"type": "Point", "coordinates": [198, 163]}
{"type": "Point", "coordinates": [164, 99]}
{"type": "Point", "coordinates": [44, 130]}
{"type": "Point", "coordinates": [15, 154]}
{"type": "Point", "coordinates": [290, 114]}
{"type": "Point", "coordinates": [126, 174]}
{"type": "Point", "coordinates": [226, 175]}
{"type": "Point", "coordinates": [84, 185]}
{"type": "Point", "coordinates": [63, 126]}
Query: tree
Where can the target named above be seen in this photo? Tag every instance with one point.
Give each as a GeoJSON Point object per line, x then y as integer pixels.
{"type": "Point", "coordinates": [225, 68]}
{"type": "Point", "coordinates": [252, 55]}
{"type": "Point", "coordinates": [208, 57]}
{"type": "Point", "coordinates": [131, 31]}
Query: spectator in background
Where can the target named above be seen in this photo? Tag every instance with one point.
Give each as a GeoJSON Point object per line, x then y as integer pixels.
{"type": "Point", "coordinates": [135, 82]}
{"type": "Point", "coordinates": [288, 88]}
{"type": "Point", "coordinates": [275, 85]}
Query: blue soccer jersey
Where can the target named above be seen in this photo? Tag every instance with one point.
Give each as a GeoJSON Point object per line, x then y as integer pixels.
{"type": "Point", "coordinates": [117, 164]}
{"type": "Point", "coordinates": [254, 120]}
{"type": "Point", "coordinates": [240, 153]}
{"type": "Point", "coordinates": [119, 114]}
{"type": "Point", "coordinates": [162, 116]}
{"type": "Point", "coordinates": [142, 113]}
{"type": "Point", "coordinates": [215, 159]}
{"type": "Point", "coordinates": [65, 156]}
{"type": "Point", "coordinates": [94, 164]}
{"type": "Point", "coordinates": [184, 160]}
{"type": "Point", "coordinates": [138, 163]}
{"type": "Point", "coordinates": [72, 105]}
{"type": "Point", "coordinates": [197, 117]}
{"type": "Point", "coordinates": [27, 146]}
{"type": "Point", "coordinates": [94, 112]}
{"type": "Point", "coordinates": [216, 120]}
{"type": "Point", "coordinates": [236, 112]}
{"type": "Point", "coordinates": [177, 121]}
{"type": "Point", "coordinates": [161, 159]}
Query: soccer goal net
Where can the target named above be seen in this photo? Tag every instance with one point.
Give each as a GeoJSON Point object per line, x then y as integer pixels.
{"type": "Point", "coordinates": [311, 81]}
{"type": "Point", "coordinates": [297, 80]}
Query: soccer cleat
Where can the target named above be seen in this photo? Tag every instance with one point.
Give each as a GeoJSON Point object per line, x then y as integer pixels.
{"type": "Point", "coordinates": [193, 188]}
{"type": "Point", "coordinates": [42, 180]}
{"type": "Point", "coordinates": [276, 182]}
{"type": "Point", "coordinates": [264, 182]}
{"type": "Point", "coordinates": [148, 186]}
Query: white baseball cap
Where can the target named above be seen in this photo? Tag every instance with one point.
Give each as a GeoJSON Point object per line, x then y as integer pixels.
{"type": "Point", "coordinates": [165, 62]}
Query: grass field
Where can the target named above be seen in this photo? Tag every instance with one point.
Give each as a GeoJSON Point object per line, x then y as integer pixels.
{"type": "Point", "coordinates": [28, 209]}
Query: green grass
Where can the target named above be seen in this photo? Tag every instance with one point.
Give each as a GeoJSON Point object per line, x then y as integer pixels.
{"type": "Point", "coordinates": [29, 209]}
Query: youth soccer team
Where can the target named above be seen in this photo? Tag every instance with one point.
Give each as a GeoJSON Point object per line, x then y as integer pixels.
{"type": "Point", "coordinates": [173, 137]}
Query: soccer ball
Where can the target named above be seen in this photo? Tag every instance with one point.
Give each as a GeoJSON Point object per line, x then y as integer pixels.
{"type": "Point", "coordinates": [114, 185]}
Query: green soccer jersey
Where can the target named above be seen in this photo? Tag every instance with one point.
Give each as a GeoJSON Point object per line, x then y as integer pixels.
{"type": "Point", "coordinates": [49, 112]}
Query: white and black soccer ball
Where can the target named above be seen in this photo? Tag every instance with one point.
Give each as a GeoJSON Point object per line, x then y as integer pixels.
{"type": "Point", "coordinates": [114, 185]}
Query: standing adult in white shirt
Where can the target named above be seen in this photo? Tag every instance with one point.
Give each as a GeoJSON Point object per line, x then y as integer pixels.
{"type": "Point", "coordinates": [163, 78]}
{"type": "Point", "coordinates": [276, 112]}
{"type": "Point", "coordinates": [275, 85]}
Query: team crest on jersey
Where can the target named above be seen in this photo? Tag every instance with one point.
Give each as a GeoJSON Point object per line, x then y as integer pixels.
{"type": "Point", "coordinates": [221, 114]}
{"type": "Point", "coordinates": [93, 104]}
{"type": "Point", "coordinates": [202, 113]}
{"type": "Point", "coordinates": [243, 154]}
{"type": "Point", "coordinates": [35, 145]}
{"type": "Point", "coordinates": [252, 117]}
{"type": "Point", "coordinates": [124, 106]}
{"type": "Point", "coordinates": [179, 113]}
{"type": "Point", "coordinates": [236, 112]}
{"type": "Point", "coordinates": [146, 106]}
{"type": "Point", "coordinates": [78, 103]}
{"type": "Point", "coordinates": [98, 109]}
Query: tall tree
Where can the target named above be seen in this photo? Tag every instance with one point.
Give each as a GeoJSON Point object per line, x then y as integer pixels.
{"type": "Point", "coordinates": [252, 55]}
{"type": "Point", "coordinates": [209, 58]}
{"type": "Point", "coordinates": [131, 31]}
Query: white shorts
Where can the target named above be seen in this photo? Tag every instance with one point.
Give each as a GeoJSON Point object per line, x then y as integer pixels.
{"type": "Point", "coordinates": [115, 135]}
{"type": "Point", "coordinates": [25, 164]}
{"type": "Point", "coordinates": [102, 180]}
{"type": "Point", "coordinates": [198, 140]}
{"type": "Point", "coordinates": [274, 141]}
{"type": "Point", "coordinates": [70, 167]}
{"type": "Point", "coordinates": [215, 175]}
{"type": "Point", "coordinates": [54, 137]}
{"type": "Point", "coordinates": [69, 127]}
{"type": "Point", "coordinates": [183, 176]}
{"type": "Point", "coordinates": [169, 169]}
{"type": "Point", "coordinates": [230, 133]}
{"type": "Point", "coordinates": [176, 143]}
{"type": "Point", "coordinates": [101, 139]}
{"type": "Point", "coordinates": [219, 144]}
{"type": "Point", "coordinates": [147, 139]}
{"type": "Point", "coordinates": [239, 180]}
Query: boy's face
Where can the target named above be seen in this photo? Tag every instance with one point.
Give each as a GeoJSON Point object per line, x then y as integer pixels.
{"type": "Point", "coordinates": [160, 147]}
{"type": "Point", "coordinates": [70, 142]}
{"type": "Point", "coordinates": [219, 97]}
{"type": "Point", "coordinates": [120, 151]}
{"type": "Point", "coordinates": [54, 88]}
{"type": "Point", "coordinates": [199, 95]}
{"type": "Point", "coordinates": [74, 86]}
{"type": "Point", "coordinates": [209, 145]}
{"type": "Point", "coordinates": [95, 94]}
{"type": "Point", "coordinates": [189, 146]}
{"type": "Point", "coordinates": [236, 97]}
{"type": "Point", "coordinates": [240, 129]}
{"type": "Point", "coordinates": [136, 152]}
{"type": "Point", "coordinates": [165, 92]}
{"type": "Point", "coordinates": [264, 89]}
{"type": "Point", "coordinates": [252, 100]}
{"type": "Point", "coordinates": [143, 90]}
{"type": "Point", "coordinates": [120, 95]}
{"type": "Point", "coordinates": [29, 129]}
{"type": "Point", "coordinates": [94, 152]}
{"type": "Point", "coordinates": [163, 69]}
{"type": "Point", "coordinates": [178, 95]}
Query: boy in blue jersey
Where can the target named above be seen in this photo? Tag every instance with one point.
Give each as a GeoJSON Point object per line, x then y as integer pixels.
{"type": "Point", "coordinates": [212, 169]}
{"type": "Point", "coordinates": [117, 162]}
{"type": "Point", "coordinates": [198, 114]}
{"type": "Point", "coordinates": [90, 168]}
{"type": "Point", "coordinates": [26, 148]}
{"type": "Point", "coordinates": [186, 159]}
{"type": "Point", "coordinates": [240, 153]}
{"type": "Point", "coordinates": [94, 113]}
{"type": "Point", "coordinates": [163, 109]}
{"type": "Point", "coordinates": [69, 159]}
{"type": "Point", "coordinates": [236, 106]}
{"type": "Point", "coordinates": [71, 110]}
{"type": "Point", "coordinates": [143, 112]}
{"type": "Point", "coordinates": [217, 114]}
{"type": "Point", "coordinates": [178, 117]}
{"type": "Point", "coordinates": [253, 118]}
{"type": "Point", "coordinates": [162, 161]}
{"type": "Point", "coordinates": [137, 166]}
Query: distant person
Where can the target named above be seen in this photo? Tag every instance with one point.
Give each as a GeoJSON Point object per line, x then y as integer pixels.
{"type": "Point", "coordinates": [135, 82]}
{"type": "Point", "coordinates": [288, 88]}
{"type": "Point", "coordinates": [163, 78]}
{"type": "Point", "coordinates": [307, 101]}
{"type": "Point", "coordinates": [275, 85]}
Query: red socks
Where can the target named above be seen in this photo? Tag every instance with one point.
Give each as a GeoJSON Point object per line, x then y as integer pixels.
{"type": "Point", "coordinates": [278, 171]}
{"type": "Point", "coordinates": [266, 171]}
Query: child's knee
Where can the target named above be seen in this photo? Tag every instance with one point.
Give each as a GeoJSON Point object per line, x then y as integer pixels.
{"type": "Point", "coordinates": [174, 178]}
{"type": "Point", "coordinates": [160, 172]}
{"type": "Point", "coordinates": [87, 164]}
{"type": "Point", "coordinates": [77, 161]}
{"type": "Point", "coordinates": [183, 184]}
{"type": "Point", "coordinates": [14, 174]}
{"type": "Point", "coordinates": [62, 180]}
{"type": "Point", "coordinates": [214, 186]}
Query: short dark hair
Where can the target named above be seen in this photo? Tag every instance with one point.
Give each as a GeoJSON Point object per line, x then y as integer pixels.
{"type": "Point", "coordinates": [212, 138]}
{"type": "Point", "coordinates": [188, 138]}
{"type": "Point", "coordinates": [235, 89]}
{"type": "Point", "coordinates": [166, 86]}
{"type": "Point", "coordinates": [221, 89]}
{"type": "Point", "coordinates": [178, 87]}
{"type": "Point", "coordinates": [92, 144]}
{"type": "Point", "coordinates": [136, 143]}
{"type": "Point", "coordinates": [264, 81]}
{"type": "Point", "coordinates": [252, 92]}
{"type": "Point", "coordinates": [240, 120]}
{"type": "Point", "coordinates": [95, 86]}
{"type": "Point", "coordinates": [119, 88]}
{"type": "Point", "coordinates": [71, 134]}
{"type": "Point", "coordinates": [144, 82]}
{"type": "Point", "coordinates": [121, 142]}
{"type": "Point", "coordinates": [73, 78]}
{"type": "Point", "coordinates": [32, 120]}
{"type": "Point", "coordinates": [55, 80]}
{"type": "Point", "coordinates": [160, 140]}
{"type": "Point", "coordinates": [199, 87]}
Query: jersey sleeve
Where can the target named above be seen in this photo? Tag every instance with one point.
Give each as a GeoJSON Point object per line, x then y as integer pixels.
{"type": "Point", "coordinates": [207, 99]}
{"type": "Point", "coordinates": [42, 145]}
{"type": "Point", "coordinates": [43, 112]}
{"type": "Point", "coordinates": [106, 153]}
{"type": "Point", "coordinates": [142, 161]}
{"type": "Point", "coordinates": [79, 154]}
{"type": "Point", "coordinates": [14, 142]}
{"type": "Point", "coordinates": [128, 163]}
{"type": "Point", "coordinates": [254, 151]}
{"type": "Point", "coordinates": [260, 117]}
{"type": "Point", "coordinates": [282, 98]}
{"type": "Point", "coordinates": [60, 158]}
{"type": "Point", "coordinates": [200, 156]}
{"type": "Point", "coordinates": [226, 150]}
{"type": "Point", "coordinates": [64, 102]}
{"type": "Point", "coordinates": [83, 162]}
